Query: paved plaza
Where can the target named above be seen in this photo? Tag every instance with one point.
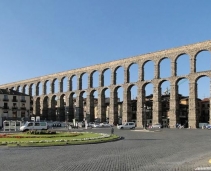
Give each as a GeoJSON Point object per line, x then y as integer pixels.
{"type": "Point", "coordinates": [165, 149]}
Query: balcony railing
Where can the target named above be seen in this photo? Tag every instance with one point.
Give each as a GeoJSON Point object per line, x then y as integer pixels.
{"type": "Point", "coordinates": [23, 100]}
{"type": "Point", "coordinates": [23, 108]}
{"type": "Point", "coordinates": [14, 100]}
{"type": "Point", "coordinates": [14, 108]}
{"type": "Point", "coordinates": [5, 107]}
{"type": "Point", "coordinates": [6, 100]}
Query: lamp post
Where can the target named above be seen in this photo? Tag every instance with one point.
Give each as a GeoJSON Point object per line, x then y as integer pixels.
{"type": "Point", "coordinates": [57, 115]}
{"type": "Point", "coordinates": [145, 116]}
{"type": "Point", "coordinates": [65, 113]}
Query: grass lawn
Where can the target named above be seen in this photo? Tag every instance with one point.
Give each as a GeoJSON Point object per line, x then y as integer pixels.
{"type": "Point", "coordinates": [60, 138]}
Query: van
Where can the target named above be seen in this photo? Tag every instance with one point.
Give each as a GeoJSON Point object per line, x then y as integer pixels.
{"type": "Point", "coordinates": [34, 126]}
{"type": "Point", "coordinates": [127, 125]}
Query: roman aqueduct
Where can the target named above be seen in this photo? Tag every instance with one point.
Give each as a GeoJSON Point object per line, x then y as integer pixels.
{"type": "Point", "coordinates": [44, 104]}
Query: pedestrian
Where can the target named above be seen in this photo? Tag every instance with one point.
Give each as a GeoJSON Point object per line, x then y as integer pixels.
{"type": "Point", "coordinates": [112, 130]}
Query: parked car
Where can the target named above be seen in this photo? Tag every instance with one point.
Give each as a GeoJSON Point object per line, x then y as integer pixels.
{"type": "Point", "coordinates": [158, 125]}
{"type": "Point", "coordinates": [105, 124]}
{"type": "Point", "coordinates": [90, 124]}
{"type": "Point", "coordinates": [96, 125]}
{"type": "Point", "coordinates": [34, 126]}
{"type": "Point", "coordinates": [127, 125]}
{"type": "Point", "coordinates": [208, 126]}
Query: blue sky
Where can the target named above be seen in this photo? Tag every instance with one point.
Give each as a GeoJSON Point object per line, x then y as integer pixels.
{"type": "Point", "coordinates": [44, 37]}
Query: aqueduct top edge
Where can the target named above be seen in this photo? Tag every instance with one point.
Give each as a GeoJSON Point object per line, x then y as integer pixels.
{"type": "Point", "coordinates": [177, 50]}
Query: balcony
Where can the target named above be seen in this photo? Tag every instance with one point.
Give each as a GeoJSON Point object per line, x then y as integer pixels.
{"type": "Point", "coordinates": [5, 99]}
{"type": "Point", "coordinates": [23, 108]}
{"type": "Point", "coordinates": [14, 100]}
{"type": "Point", "coordinates": [23, 100]}
{"type": "Point", "coordinates": [5, 107]}
{"type": "Point", "coordinates": [14, 108]}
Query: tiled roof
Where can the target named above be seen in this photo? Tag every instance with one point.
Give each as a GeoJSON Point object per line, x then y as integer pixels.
{"type": "Point", "coordinates": [12, 92]}
{"type": "Point", "coordinates": [205, 100]}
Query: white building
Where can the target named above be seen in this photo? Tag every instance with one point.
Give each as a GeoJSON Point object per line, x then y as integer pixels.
{"type": "Point", "coordinates": [14, 105]}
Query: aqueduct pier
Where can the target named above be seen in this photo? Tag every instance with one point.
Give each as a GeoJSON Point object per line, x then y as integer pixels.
{"type": "Point", "coordinates": [44, 104]}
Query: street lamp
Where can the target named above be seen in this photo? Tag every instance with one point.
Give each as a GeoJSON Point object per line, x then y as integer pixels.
{"type": "Point", "coordinates": [145, 116]}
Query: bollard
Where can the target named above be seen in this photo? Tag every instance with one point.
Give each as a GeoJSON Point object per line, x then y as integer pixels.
{"type": "Point", "coordinates": [112, 130]}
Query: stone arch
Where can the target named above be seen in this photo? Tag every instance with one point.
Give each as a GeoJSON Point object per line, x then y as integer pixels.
{"type": "Point", "coordinates": [130, 104]}
{"type": "Point", "coordinates": [39, 88]}
{"type": "Point", "coordinates": [62, 104]}
{"type": "Point", "coordinates": [115, 111]}
{"type": "Point", "coordinates": [53, 114]}
{"type": "Point", "coordinates": [182, 101]}
{"type": "Point", "coordinates": [70, 85]}
{"type": "Point", "coordinates": [182, 59]}
{"type": "Point", "coordinates": [150, 67]}
{"type": "Point", "coordinates": [45, 108]}
{"type": "Point", "coordinates": [64, 82]}
{"type": "Point", "coordinates": [103, 104]}
{"type": "Point", "coordinates": [94, 82]}
{"type": "Point", "coordinates": [106, 73]}
{"type": "Point", "coordinates": [18, 88]}
{"type": "Point", "coordinates": [83, 77]}
{"type": "Point", "coordinates": [131, 69]}
{"type": "Point", "coordinates": [91, 104]}
{"type": "Point", "coordinates": [45, 90]}
{"type": "Point", "coordinates": [37, 107]}
{"type": "Point", "coordinates": [24, 89]}
{"type": "Point", "coordinates": [71, 102]}
{"type": "Point", "coordinates": [53, 89]}
{"type": "Point", "coordinates": [164, 102]}
{"type": "Point", "coordinates": [167, 62]}
{"type": "Point", "coordinates": [31, 87]}
{"type": "Point", "coordinates": [203, 85]}
{"type": "Point", "coordinates": [116, 79]}
{"type": "Point", "coordinates": [202, 60]}
{"type": "Point", "coordinates": [80, 106]}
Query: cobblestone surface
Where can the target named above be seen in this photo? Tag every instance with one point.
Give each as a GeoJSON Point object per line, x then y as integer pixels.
{"type": "Point", "coordinates": [168, 149]}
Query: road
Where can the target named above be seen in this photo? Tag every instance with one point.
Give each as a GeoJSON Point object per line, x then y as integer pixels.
{"type": "Point", "coordinates": [164, 149]}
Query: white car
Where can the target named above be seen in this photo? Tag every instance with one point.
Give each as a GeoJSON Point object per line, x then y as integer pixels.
{"type": "Point", "coordinates": [127, 125]}
{"type": "Point", "coordinates": [96, 125]}
{"type": "Point", "coordinates": [34, 126]}
{"type": "Point", "coordinates": [90, 124]}
{"type": "Point", "coordinates": [105, 124]}
{"type": "Point", "coordinates": [156, 126]}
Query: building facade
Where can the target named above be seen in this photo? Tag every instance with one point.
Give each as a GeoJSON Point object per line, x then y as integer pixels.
{"type": "Point", "coordinates": [14, 105]}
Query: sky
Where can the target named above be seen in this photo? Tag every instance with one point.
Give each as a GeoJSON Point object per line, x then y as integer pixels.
{"type": "Point", "coordinates": [39, 37]}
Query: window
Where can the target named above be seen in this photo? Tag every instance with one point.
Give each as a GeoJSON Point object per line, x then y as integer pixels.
{"type": "Point", "coordinates": [22, 114]}
{"type": "Point", "coordinates": [14, 99]}
{"type": "Point", "coordinates": [5, 106]}
{"type": "Point", "coordinates": [14, 114]}
{"type": "Point", "coordinates": [5, 97]}
{"type": "Point", "coordinates": [30, 124]}
{"type": "Point", "coordinates": [43, 124]}
{"type": "Point", "coordinates": [37, 124]}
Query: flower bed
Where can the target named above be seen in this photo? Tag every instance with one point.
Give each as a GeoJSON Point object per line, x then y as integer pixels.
{"type": "Point", "coordinates": [63, 138]}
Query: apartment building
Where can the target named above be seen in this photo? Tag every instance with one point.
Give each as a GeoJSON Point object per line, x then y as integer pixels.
{"type": "Point", "coordinates": [14, 105]}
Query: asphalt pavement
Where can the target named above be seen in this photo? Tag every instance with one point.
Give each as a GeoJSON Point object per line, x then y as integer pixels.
{"type": "Point", "coordinates": [161, 149]}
